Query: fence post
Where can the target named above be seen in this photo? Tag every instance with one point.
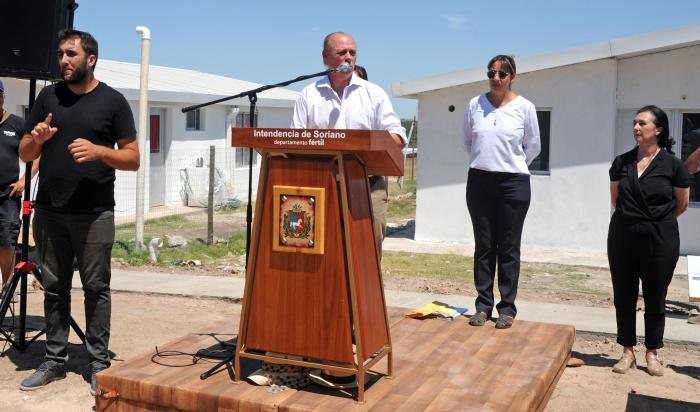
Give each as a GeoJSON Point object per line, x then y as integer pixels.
{"type": "Point", "coordinates": [210, 200]}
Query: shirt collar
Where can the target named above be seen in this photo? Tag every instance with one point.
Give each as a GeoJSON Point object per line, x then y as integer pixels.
{"type": "Point", "coordinates": [355, 82]}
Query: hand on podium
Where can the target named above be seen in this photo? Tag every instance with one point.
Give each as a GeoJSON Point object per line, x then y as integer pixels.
{"type": "Point", "coordinates": [397, 140]}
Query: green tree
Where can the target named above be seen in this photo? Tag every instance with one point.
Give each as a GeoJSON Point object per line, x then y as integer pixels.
{"type": "Point", "coordinates": [406, 123]}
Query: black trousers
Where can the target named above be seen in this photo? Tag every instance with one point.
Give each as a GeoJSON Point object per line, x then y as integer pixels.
{"type": "Point", "coordinates": [88, 237]}
{"type": "Point", "coordinates": [646, 251]}
{"type": "Point", "coordinates": [497, 203]}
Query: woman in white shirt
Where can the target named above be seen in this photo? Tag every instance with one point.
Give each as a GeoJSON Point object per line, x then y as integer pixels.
{"type": "Point", "coordinates": [502, 138]}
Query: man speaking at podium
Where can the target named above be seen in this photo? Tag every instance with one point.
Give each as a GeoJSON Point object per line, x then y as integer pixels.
{"type": "Point", "coordinates": [343, 100]}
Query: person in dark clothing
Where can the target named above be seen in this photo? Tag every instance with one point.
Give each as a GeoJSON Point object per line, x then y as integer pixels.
{"type": "Point", "coordinates": [75, 126]}
{"type": "Point", "coordinates": [649, 190]}
{"type": "Point", "coordinates": [11, 186]}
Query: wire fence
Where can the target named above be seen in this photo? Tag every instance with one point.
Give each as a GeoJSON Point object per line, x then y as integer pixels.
{"type": "Point", "coordinates": [179, 183]}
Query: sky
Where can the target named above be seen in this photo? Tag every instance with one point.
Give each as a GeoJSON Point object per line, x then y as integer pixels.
{"type": "Point", "coordinates": [270, 41]}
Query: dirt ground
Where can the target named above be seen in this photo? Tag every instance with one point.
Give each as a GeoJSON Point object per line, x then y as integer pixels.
{"type": "Point", "coordinates": [140, 322]}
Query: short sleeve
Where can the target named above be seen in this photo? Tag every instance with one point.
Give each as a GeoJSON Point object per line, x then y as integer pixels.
{"type": "Point", "coordinates": [124, 126]}
{"type": "Point", "coordinates": [38, 113]}
{"type": "Point", "coordinates": [681, 178]}
{"type": "Point", "coordinates": [615, 171]}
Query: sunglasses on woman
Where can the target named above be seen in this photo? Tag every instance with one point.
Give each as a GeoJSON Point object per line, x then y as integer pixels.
{"type": "Point", "coordinates": [501, 74]}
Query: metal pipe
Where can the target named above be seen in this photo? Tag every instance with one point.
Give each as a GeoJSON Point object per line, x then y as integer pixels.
{"type": "Point", "coordinates": [141, 138]}
{"type": "Point", "coordinates": [153, 246]}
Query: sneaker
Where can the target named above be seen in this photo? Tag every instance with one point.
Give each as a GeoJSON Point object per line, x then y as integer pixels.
{"type": "Point", "coordinates": [95, 369]}
{"type": "Point", "coordinates": [47, 372]}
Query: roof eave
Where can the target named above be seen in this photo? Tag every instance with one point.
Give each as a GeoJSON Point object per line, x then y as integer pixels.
{"type": "Point", "coordinates": [619, 48]}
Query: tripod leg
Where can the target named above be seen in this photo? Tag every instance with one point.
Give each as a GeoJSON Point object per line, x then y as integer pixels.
{"type": "Point", "coordinates": [7, 292]}
{"type": "Point", "coordinates": [77, 330]}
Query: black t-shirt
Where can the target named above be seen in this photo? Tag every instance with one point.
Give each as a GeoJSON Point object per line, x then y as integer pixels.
{"type": "Point", "coordinates": [11, 132]}
{"type": "Point", "coordinates": [648, 197]}
{"type": "Point", "coordinates": [101, 116]}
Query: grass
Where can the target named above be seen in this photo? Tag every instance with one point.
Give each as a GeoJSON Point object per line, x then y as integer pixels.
{"type": "Point", "coordinates": [458, 269]}
{"type": "Point", "coordinates": [442, 267]}
{"type": "Point", "coordinates": [124, 247]}
{"type": "Point", "coordinates": [402, 200]}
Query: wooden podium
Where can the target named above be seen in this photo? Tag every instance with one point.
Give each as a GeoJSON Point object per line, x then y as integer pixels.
{"type": "Point", "coordinates": [313, 278]}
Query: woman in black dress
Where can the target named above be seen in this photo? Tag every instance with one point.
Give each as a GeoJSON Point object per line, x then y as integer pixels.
{"type": "Point", "coordinates": [649, 190]}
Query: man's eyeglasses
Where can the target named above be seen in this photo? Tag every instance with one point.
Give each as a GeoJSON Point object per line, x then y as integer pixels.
{"type": "Point", "coordinates": [501, 74]}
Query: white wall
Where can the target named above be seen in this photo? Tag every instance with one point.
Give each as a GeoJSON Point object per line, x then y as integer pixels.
{"type": "Point", "coordinates": [570, 207]}
{"type": "Point", "coordinates": [668, 80]}
{"type": "Point", "coordinates": [181, 147]}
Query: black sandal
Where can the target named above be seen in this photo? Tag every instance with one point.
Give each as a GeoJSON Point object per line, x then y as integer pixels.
{"type": "Point", "coordinates": [504, 322]}
{"type": "Point", "coordinates": [478, 319]}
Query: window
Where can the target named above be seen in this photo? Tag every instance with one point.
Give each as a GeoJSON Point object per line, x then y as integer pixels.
{"type": "Point", "coordinates": [154, 137]}
{"type": "Point", "coordinates": [194, 120]}
{"type": "Point", "coordinates": [243, 119]}
{"type": "Point", "coordinates": [541, 163]}
{"type": "Point", "coordinates": [243, 153]}
{"type": "Point", "coordinates": [689, 143]}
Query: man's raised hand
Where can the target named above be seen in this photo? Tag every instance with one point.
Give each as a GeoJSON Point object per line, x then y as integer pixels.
{"type": "Point", "coordinates": [43, 130]}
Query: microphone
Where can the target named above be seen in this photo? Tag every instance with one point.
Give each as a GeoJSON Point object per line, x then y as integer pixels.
{"type": "Point", "coordinates": [343, 68]}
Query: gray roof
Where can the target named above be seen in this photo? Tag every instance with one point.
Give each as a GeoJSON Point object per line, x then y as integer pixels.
{"type": "Point", "coordinates": [169, 84]}
{"type": "Point", "coordinates": [619, 48]}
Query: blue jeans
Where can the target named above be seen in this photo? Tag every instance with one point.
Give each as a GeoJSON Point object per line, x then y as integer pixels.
{"type": "Point", "coordinates": [89, 238]}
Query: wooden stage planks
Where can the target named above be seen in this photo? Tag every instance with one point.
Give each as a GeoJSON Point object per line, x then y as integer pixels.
{"type": "Point", "coordinates": [438, 365]}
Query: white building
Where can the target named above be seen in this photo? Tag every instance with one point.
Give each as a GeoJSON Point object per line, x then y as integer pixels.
{"type": "Point", "coordinates": [586, 99]}
{"type": "Point", "coordinates": [176, 140]}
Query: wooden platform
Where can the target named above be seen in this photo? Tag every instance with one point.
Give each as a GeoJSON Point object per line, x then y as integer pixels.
{"type": "Point", "coordinates": [438, 365]}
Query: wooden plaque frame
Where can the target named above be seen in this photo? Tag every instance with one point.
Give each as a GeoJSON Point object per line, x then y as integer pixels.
{"type": "Point", "coordinates": [317, 222]}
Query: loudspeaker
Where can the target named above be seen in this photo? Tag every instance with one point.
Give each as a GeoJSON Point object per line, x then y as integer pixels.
{"type": "Point", "coordinates": [28, 34]}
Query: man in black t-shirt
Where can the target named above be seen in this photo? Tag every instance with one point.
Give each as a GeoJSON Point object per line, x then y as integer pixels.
{"type": "Point", "coordinates": [11, 187]}
{"type": "Point", "coordinates": [75, 125]}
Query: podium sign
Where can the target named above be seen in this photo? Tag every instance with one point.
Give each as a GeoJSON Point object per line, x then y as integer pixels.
{"type": "Point", "coordinates": [313, 278]}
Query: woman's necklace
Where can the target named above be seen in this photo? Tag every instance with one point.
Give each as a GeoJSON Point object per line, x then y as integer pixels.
{"type": "Point", "coordinates": [645, 165]}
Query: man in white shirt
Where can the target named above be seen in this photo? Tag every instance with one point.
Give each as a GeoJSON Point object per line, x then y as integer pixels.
{"type": "Point", "coordinates": [343, 100]}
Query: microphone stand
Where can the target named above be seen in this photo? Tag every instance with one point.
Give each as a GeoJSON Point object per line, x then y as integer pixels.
{"type": "Point", "coordinates": [252, 122]}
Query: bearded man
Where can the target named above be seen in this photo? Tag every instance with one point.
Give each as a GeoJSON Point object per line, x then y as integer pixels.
{"type": "Point", "coordinates": [75, 125]}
